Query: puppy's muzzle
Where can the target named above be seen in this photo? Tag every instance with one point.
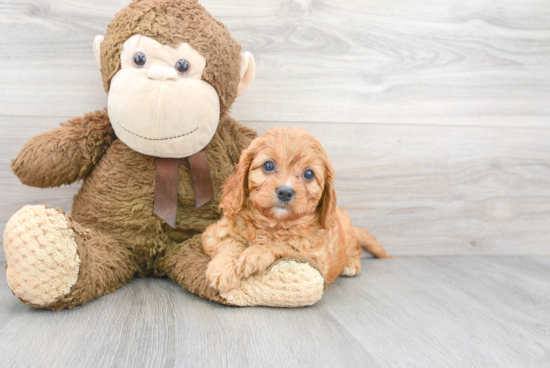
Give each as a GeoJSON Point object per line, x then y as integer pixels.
{"type": "Point", "coordinates": [285, 193]}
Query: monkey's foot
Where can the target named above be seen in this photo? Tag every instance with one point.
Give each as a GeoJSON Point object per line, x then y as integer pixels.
{"type": "Point", "coordinates": [42, 259]}
{"type": "Point", "coordinates": [288, 282]}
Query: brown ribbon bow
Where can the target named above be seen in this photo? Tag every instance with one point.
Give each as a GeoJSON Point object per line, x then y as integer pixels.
{"type": "Point", "coordinates": [166, 185]}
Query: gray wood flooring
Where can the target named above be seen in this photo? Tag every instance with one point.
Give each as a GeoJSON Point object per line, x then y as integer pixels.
{"type": "Point", "coordinates": [484, 311]}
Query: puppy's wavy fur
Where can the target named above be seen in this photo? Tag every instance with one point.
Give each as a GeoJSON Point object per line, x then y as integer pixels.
{"type": "Point", "coordinates": [258, 227]}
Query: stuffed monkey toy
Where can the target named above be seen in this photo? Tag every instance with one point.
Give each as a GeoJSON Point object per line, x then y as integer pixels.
{"type": "Point", "coordinates": [152, 165]}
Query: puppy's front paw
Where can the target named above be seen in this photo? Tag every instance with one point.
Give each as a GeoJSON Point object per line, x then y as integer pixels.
{"type": "Point", "coordinates": [254, 260]}
{"type": "Point", "coordinates": [222, 276]}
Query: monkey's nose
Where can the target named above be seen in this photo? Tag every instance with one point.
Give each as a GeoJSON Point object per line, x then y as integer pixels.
{"type": "Point", "coordinates": [162, 73]}
{"type": "Point", "coordinates": [285, 193]}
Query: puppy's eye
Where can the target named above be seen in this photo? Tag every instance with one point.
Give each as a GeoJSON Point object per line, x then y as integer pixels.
{"type": "Point", "coordinates": [269, 166]}
{"type": "Point", "coordinates": [182, 66]}
{"type": "Point", "coordinates": [308, 175]}
{"type": "Point", "coordinates": [140, 59]}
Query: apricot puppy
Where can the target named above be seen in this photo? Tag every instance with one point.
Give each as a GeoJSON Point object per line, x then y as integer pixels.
{"type": "Point", "coordinates": [280, 202]}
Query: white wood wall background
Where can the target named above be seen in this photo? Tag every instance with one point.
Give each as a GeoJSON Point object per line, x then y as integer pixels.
{"type": "Point", "coordinates": [436, 114]}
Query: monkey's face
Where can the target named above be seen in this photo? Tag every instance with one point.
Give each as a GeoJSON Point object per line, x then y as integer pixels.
{"type": "Point", "coordinates": [158, 104]}
{"type": "Point", "coordinates": [168, 89]}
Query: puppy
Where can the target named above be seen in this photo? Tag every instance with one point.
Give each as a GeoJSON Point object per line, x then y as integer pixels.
{"type": "Point", "coordinates": [280, 202]}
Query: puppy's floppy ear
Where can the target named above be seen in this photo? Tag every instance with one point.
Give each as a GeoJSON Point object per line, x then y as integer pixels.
{"type": "Point", "coordinates": [235, 188]}
{"type": "Point", "coordinates": [328, 203]}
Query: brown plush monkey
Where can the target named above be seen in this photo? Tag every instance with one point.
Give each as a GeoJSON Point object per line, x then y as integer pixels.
{"type": "Point", "coordinates": [152, 166]}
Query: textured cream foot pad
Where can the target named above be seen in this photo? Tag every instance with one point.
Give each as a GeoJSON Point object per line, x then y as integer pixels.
{"type": "Point", "coordinates": [286, 284]}
{"type": "Point", "coordinates": [41, 252]}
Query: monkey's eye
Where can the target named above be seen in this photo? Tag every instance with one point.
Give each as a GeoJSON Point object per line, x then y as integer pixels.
{"type": "Point", "coordinates": [269, 166]}
{"type": "Point", "coordinates": [182, 66]}
{"type": "Point", "coordinates": [308, 175]}
{"type": "Point", "coordinates": [140, 59]}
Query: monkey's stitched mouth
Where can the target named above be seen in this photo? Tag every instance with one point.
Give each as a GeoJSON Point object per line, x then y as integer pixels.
{"type": "Point", "coordinates": [158, 139]}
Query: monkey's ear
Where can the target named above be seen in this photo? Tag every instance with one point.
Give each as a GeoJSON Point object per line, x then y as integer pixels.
{"type": "Point", "coordinates": [98, 40]}
{"type": "Point", "coordinates": [248, 72]}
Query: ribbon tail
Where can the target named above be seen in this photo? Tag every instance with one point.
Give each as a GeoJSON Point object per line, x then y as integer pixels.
{"type": "Point", "coordinates": [202, 181]}
{"type": "Point", "coordinates": [166, 189]}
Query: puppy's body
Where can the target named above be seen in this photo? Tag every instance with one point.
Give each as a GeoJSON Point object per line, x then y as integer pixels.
{"type": "Point", "coordinates": [281, 202]}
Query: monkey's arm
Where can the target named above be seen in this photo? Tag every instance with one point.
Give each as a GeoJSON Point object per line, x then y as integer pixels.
{"type": "Point", "coordinates": [65, 154]}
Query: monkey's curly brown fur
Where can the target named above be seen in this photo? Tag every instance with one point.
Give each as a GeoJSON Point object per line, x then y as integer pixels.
{"type": "Point", "coordinates": [114, 207]}
{"type": "Point", "coordinates": [172, 23]}
{"type": "Point", "coordinates": [118, 236]}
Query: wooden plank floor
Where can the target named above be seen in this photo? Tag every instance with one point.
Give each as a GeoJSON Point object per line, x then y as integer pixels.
{"type": "Point", "coordinates": [484, 311]}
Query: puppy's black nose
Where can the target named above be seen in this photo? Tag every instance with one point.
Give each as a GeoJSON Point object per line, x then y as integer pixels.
{"type": "Point", "coordinates": [285, 193]}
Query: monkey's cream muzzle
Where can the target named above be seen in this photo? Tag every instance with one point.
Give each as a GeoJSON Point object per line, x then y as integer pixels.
{"type": "Point", "coordinates": [162, 118]}
{"type": "Point", "coordinates": [161, 73]}
{"type": "Point", "coordinates": [157, 111]}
